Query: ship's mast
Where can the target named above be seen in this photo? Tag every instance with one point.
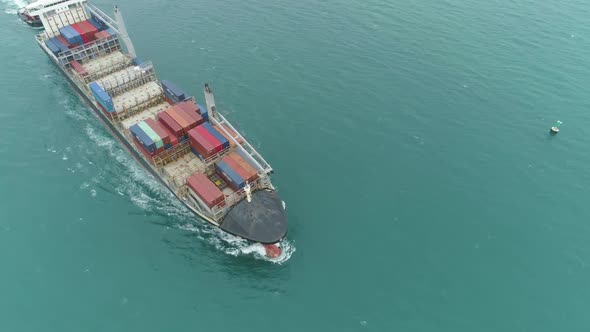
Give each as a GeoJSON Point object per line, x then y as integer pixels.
{"type": "Point", "coordinates": [123, 32]}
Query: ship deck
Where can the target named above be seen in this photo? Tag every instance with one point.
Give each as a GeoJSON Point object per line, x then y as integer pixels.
{"type": "Point", "coordinates": [148, 113]}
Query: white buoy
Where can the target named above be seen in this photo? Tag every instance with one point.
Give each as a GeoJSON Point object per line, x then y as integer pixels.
{"type": "Point", "coordinates": [555, 129]}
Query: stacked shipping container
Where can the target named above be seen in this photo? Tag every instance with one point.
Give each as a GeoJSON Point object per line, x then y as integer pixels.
{"type": "Point", "coordinates": [85, 30]}
{"type": "Point", "coordinates": [104, 34]}
{"type": "Point", "coordinates": [206, 190]}
{"type": "Point", "coordinates": [173, 93]}
{"type": "Point", "coordinates": [102, 97]}
{"type": "Point", "coordinates": [78, 68]}
{"type": "Point", "coordinates": [206, 141]}
{"type": "Point", "coordinates": [230, 175]}
{"type": "Point", "coordinates": [162, 133]}
{"type": "Point", "coordinates": [152, 138]}
{"type": "Point", "coordinates": [77, 34]}
{"type": "Point", "coordinates": [97, 23]}
{"type": "Point", "coordinates": [71, 35]}
{"type": "Point", "coordinates": [236, 171]}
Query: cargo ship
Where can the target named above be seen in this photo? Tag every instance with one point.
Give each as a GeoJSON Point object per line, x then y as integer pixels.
{"type": "Point", "coordinates": [191, 148]}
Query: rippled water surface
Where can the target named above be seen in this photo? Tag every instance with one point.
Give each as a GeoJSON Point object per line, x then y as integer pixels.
{"type": "Point", "coordinates": [410, 143]}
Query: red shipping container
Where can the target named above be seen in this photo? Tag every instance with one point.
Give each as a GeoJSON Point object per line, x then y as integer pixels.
{"type": "Point", "coordinates": [78, 68]}
{"type": "Point", "coordinates": [184, 123]}
{"type": "Point", "coordinates": [210, 138]}
{"type": "Point", "coordinates": [188, 105]}
{"type": "Point", "coordinates": [159, 130]}
{"type": "Point", "coordinates": [89, 29]}
{"type": "Point", "coordinates": [190, 111]}
{"type": "Point", "coordinates": [173, 138]}
{"type": "Point", "coordinates": [102, 35]}
{"type": "Point", "coordinates": [86, 30]}
{"type": "Point", "coordinates": [191, 121]}
{"type": "Point", "coordinates": [81, 31]}
{"type": "Point", "coordinates": [252, 175]}
{"type": "Point", "coordinates": [199, 143]}
{"type": "Point", "coordinates": [169, 123]}
{"type": "Point", "coordinates": [205, 189]}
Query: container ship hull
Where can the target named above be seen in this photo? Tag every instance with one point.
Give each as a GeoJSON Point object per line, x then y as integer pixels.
{"type": "Point", "coordinates": [192, 150]}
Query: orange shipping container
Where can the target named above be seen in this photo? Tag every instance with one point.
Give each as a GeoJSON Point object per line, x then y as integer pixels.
{"type": "Point", "coordinates": [231, 132]}
{"type": "Point", "coordinates": [231, 142]}
{"type": "Point", "coordinates": [179, 119]}
{"type": "Point", "coordinates": [252, 174]}
{"type": "Point", "coordinates": [192, 123]}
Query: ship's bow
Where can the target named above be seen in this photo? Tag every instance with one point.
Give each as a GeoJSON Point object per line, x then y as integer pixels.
{"type": "Point", "coordinates": [261, 220]}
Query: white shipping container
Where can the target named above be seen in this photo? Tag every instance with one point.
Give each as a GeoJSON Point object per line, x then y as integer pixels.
{"type": "Point", "coordinates": [116, 79]}
{"type": "Point", "coordinates": [137, 96]}
{"type": "Point", "coordinates": [112, 60]}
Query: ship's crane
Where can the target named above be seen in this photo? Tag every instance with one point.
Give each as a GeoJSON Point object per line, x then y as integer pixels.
{"type": "Point", "coordinates": [210, 101]}
{"type": "Point", "coordinates": [123, 32]}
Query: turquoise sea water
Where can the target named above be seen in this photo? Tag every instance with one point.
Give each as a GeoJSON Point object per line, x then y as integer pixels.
{"type": "Point", "coordinates": [410, 143]}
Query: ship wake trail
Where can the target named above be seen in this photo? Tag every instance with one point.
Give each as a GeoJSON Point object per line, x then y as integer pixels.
{"type": "Point", "coordinates": [12, 6]}
{"type": "Point", "coordinates": [235, 246]}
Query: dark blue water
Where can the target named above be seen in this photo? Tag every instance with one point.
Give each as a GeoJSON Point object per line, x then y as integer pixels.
{"type": "Point", "coordinates": [410, 143]}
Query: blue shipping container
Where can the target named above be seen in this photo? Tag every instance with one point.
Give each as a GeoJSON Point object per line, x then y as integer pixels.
{"type": "Point", "coordinates": [102, 97]}
{"type": "Point", "coordinates": [97, 23]}
{"type": "Point", "coordinates": [173, 92]}
{"type": "Point", "coordinates": [216, 134]}
{"type": "Point", "coordinates": [203, 112]}
{"type": "Point", "coordinates": [111, 32]}
{"type": "Point", "coordinates": [231, 175]}
{"type": "Point", "coordinates": [52, 47]}
{"type": "Point", "coordinates": [62, 48]}
{"type": "Point", "coordinates": [71, 35]}
{"type": "Point", "coordinates": [144, 138]}
{"type": "Point", "coordinates": [138, 61]}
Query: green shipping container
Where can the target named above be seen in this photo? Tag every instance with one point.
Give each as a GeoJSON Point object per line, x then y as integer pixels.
{"type": "Point", "coordinates": [151, 133]}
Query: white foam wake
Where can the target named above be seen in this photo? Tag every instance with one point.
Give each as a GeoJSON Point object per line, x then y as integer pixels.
{"type": "Point", "coordinates": [235, 246]}
{"type": "Point", "coordinates": [12, 6]}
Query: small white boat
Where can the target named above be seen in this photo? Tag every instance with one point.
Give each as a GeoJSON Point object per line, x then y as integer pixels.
{"type": "Point", "coordinates": [29, 15]}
